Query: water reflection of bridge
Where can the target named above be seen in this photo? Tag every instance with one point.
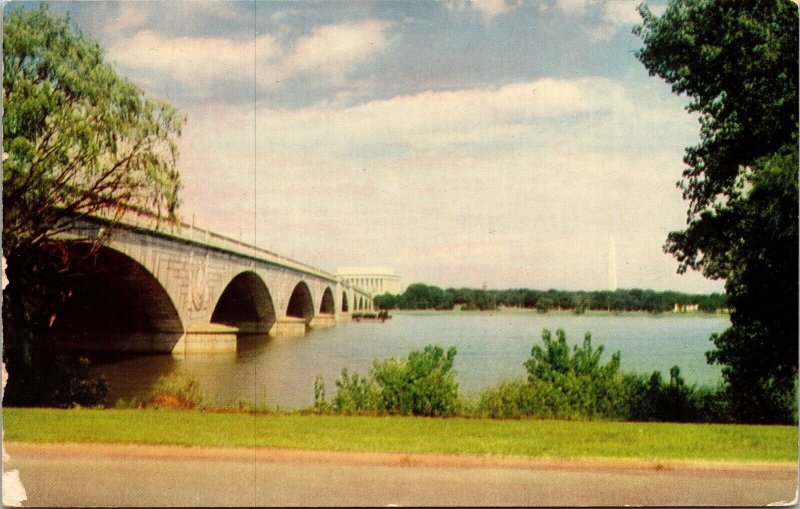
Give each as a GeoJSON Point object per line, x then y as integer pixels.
{"type": "Point", "coordinates": [157, 287]}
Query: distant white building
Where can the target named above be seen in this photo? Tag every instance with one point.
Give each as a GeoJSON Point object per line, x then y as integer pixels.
{"type": "Point", "coordinates": [374, 280]}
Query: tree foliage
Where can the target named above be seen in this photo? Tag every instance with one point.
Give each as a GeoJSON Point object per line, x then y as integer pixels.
{"type": "Point", "coordinates": [79, 137]}
{"type": "Point", "coordinates": [577, 383]}
{"type": "Point", "coordinates": [419, 296]}
{"type": "Point", "coordinates": [737, 62]}
{"type": "Point", "coordinates": [385, 301]}
{"type": "Point", "coordinates": [423, 384]}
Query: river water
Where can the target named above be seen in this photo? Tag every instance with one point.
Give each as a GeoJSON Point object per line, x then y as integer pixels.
{"type": "Point", "coordinates": [280, 371]}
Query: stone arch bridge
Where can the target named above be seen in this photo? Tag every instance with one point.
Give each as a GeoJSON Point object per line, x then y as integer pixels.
{"type": "Point", "coordinates": [156, 287]}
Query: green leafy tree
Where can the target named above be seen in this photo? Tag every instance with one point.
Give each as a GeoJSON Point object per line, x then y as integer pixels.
{"type": "Point", "coordinates": [580, 302]}
{"type": "Point", "coordinates": [544, 304]}
{"type": "Point", "coordinates": [386, 301]}
{"type": "Point", "coordinates": [355, 395]}
{"type": "Point", "coordinates": [423, 384]}
{"type": "Point", "coordinates": [650, 399]}
{"type": "Point", "coordinates": [737, 62]}
{"type": "Point", "coordinates": [573, 382]}
{"type": "Point", "coordinates": [79, 139]}
{"type": "Point", "coordinates": [421, 296]}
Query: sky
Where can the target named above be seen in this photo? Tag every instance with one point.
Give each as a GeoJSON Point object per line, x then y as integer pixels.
{"type": "Point", "coordinates": [465, 143]}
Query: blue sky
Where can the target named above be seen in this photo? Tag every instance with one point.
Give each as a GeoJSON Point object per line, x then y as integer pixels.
{"type": "Point", "coordinates": [461, 142]}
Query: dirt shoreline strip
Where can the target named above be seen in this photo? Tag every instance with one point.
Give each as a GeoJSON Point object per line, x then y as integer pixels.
{"type": "Point", "coordinates": [432, 460]}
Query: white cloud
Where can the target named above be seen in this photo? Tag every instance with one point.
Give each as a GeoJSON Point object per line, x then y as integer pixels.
{"type": "Point", "coordinates": [604, 18]}
{"type": "Point", "coordinates": [489, 9]}
{"type": "Point", "coordinates": [122, 18]}
{"type": "Point", "coordinates": [329, 52]}
{"type": "Point", "coordinates": [621, 12]}
{"type": "Point", "coordinates": [601, 32]}
{"type": "Point", "coordinates": [195, 60]}
{"type": "Point", "coordinates": [575, 6]}
{"type": "Point", "coordinates": [333, 50]}
{"type": "Point", "coordinates": [130, 16]}
{"type": "Point", "coordinates": [519, 184]}
{"type": "Point", "coordinates": [474, 121]}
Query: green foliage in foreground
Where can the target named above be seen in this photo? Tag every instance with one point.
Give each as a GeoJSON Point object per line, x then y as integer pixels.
{"type": "Point", "coordinates": [575, 383]}
{"type": "Point", "coordinates": [534, 438]}
{"type": "Point", "coordinates": [78, 139]}
{"type": "Point", "coordinates": [68, 382]}
{"type": "Point", "coordinates": [424, 384]}
{"type": "Point", "coordinates": [176, 390]}
{"type": "Point", "coordinates": [736, 63]}
{"type": "Point", "coordinates": [563, 383]}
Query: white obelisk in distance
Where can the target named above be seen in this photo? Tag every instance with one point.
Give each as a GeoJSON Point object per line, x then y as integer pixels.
{"type": "Point", "coordinates": [612, 264]}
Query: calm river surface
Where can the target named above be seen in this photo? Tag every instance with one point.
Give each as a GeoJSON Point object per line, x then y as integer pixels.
{"type": "Point", "coordinates": [491, 347]}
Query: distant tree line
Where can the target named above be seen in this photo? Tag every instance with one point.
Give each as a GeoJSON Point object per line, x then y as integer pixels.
{"type": "Point", "coordinates": [421, 296]}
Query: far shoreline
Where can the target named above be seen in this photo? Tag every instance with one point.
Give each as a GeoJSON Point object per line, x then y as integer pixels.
{"type": "Point", "coordinates": [558, 312]}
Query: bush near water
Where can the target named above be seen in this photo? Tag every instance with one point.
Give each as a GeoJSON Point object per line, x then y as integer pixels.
{"type": "Point", "coordinates": [423, 384]}
{"type": "Point", "coordinates": [562, 383]}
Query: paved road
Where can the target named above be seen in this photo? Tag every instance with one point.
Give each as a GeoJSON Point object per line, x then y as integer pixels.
{"type": "Point", "coordinates": [81, 475]}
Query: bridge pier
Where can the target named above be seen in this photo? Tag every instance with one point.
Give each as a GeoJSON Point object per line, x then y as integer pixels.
{"type": "Point", "coordinates": [323, 320]}
{"type": "Point", "coordinates": [210, 337]}
{"type": "Point", "coordinates": [289, 327]}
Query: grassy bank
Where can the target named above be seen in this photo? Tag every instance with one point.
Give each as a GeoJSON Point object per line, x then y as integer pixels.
{"type": "Point", "coordinates": [533, 438]}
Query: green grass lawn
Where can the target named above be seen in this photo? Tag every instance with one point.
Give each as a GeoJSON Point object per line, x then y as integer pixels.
{"type": "Point", "coordinates": [534, 438]}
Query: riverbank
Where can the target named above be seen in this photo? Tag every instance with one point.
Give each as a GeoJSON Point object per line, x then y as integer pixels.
{"type": "Point", "coordinates": [555, 312]}
{"type": "Point", "coordinates": [408, 435]}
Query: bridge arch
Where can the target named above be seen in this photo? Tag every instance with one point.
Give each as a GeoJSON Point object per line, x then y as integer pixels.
{"type": "Point", "coordinates": [245, 303]}
{"type": "Point", "coordinates": [327, 306]}
{"type": "Point", "coordinates": [345, 304]}
{"type": "Point", "coordinates": [114, 303]}
{"type": "Point", "coordinates": [301, 304]}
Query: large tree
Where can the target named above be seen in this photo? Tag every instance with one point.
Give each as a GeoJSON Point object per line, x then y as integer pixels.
{"type": "Point", "coordinates": [78, 139]}
{"type": "Point", "coordinates": [738, 63]}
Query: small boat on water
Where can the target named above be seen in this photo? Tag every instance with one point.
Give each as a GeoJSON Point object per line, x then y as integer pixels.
{"type": "Point", "coordinates": [381, 316]}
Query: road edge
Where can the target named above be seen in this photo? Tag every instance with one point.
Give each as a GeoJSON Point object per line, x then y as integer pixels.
{"type": "Point", "coordinates": [356, 458]}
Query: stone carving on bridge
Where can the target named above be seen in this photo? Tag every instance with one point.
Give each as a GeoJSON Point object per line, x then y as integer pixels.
{"type": "Point", "coordinates": [199, 295]}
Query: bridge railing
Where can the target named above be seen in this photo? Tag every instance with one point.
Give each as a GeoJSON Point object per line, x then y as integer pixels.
{"type": "Point", "coordinates": [146, 220]}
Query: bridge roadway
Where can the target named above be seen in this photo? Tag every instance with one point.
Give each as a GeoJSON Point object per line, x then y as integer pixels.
{"type": "Point", "coordinates": [156, 286]}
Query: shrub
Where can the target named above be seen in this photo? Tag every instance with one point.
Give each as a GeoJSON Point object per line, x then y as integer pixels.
{"type": "Point", "coordinates": [70, 383]}
{"type": "Point", "coordinates": [355, 395]}
{"type": "Point", "coordinates": [320, 404]}
{"type": "Point", "coordinates": [510, 399]}
{"type": "Point", "coordinates": [650, 399]}
{"type": "Point", "coordinates": [423, 384]}
{"type": "Point", "coordinates": [41, 378]}
{"type": "Point", "coordinates": [575, 385]}
{"type": "Point", "coordinates": [176, 390]}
